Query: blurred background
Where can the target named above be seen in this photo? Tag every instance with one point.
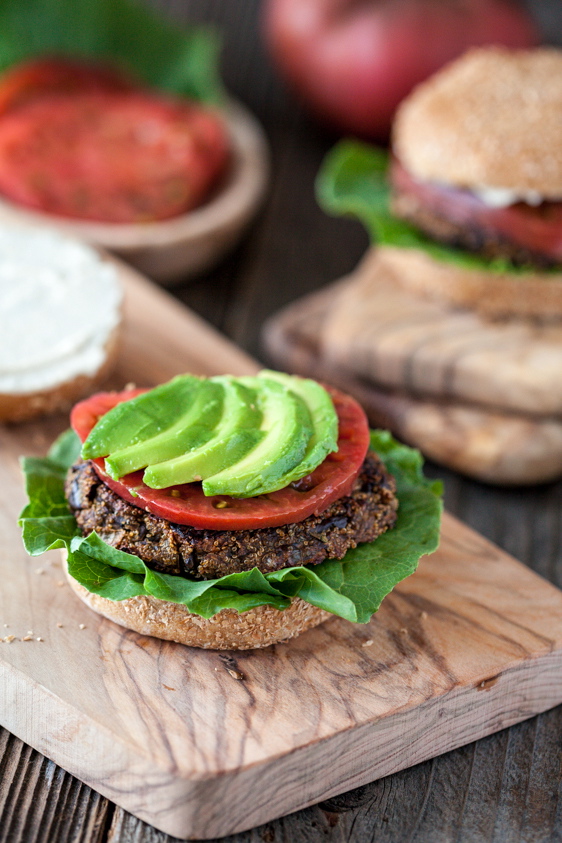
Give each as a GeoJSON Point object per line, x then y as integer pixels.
{"type": "Point", "coordinates": [308, 249]}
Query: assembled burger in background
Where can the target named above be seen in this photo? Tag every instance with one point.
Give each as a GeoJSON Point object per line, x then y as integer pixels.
{"type": "Point", "coordinates": [476, 160]}
{"type": "Point", "coordinates": [230, 513]}
{"type": "Point", "coordinates": [476, 166]}
{"type": "Point", "coordinates": [450, 329]}
{"type": "Point", "coordinates": [466, 208]}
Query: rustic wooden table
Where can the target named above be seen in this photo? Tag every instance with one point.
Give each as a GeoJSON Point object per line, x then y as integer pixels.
{"type": "Point", "coordinates": [504, 788]}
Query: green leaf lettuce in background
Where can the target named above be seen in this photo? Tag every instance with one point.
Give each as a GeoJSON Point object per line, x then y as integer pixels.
{"type": "Point", "coordinates": [353, 181]}
{"type": "Point", "coordinates": [123, 32]}
{"type": "Point", "coordinates": [352, 588]}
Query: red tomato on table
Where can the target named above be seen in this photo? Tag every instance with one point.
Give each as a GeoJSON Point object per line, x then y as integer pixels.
{"type": "Point", "coordinates": [353, 61]}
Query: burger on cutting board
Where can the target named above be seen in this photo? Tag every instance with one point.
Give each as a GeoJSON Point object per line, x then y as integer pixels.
{"type": "Point", "coordinates": [230, 513]}
{"type": "Point", "coordinates": [477, 165]}
{"type": "Point", "coordinates": [468, 206]}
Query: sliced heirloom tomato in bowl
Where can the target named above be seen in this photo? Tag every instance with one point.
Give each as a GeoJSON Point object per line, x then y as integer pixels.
{"type": "Point", "coordinates": [164, 181]}
{"type": "Point", "coordinates": [186, 504]}
{"type": "Point", "coordinates": [112, 156]}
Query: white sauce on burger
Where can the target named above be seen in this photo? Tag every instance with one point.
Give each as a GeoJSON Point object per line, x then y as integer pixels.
{"type": "Point", "coordinates": [502, 197]}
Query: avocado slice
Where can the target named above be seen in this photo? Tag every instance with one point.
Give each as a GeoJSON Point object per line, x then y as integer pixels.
{"type": "Point", "coordinates": [324, 439]}
{"type": "Point", "coordinates": [237, 433]}
{"type": "Point", "coordinates": [287, 427]}
{"type": "Point", "coordinates": [142, 417]}
{"type": "Point", "coordinates": [189, 429]}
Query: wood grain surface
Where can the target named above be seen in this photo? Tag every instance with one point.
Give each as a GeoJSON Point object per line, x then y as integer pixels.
{"type": "Point", "coordinates": [345, 335]}
{"type": "Point", "coordinates": [472, 643]}
{"type": "Point", "coordinates": [401, 341]}
{"type": "Point", "coordinates": [505, 788]}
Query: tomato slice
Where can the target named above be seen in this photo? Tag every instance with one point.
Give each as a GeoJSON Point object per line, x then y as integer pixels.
{"type": "Point", "coordinates": [186, 504]}
{"type": "Point", "coordinates": [112, 156]}
{"type": "Point", "coordinates": [538, 229]}
{"type": "Point", "coordinates": [31, 79]}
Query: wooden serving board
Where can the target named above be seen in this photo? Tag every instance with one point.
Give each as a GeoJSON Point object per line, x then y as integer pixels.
{"type": "Point", "coordinates": [382, 331]}
{"type": "Point", "coordinates": [389, 347]}
{"type": "Point", "coordinates": [202, 744]}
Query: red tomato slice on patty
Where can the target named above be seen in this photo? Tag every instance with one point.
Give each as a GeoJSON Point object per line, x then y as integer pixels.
{"type": "Point", "coordinates": [186, 504]}
{"type": "Point", "coordinates": [538, 229]}
{"type": "Point", "coordinates": [112, 156]}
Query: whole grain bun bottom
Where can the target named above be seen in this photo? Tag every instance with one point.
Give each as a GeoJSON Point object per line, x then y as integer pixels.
{"type": "Point", "coordinates": [494, 295]}
{"type": "Point", "coordinates": [227, 630]}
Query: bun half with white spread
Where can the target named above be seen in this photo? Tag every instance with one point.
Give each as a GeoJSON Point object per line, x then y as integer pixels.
{"type": "Point", "coordinates": [60, 321]}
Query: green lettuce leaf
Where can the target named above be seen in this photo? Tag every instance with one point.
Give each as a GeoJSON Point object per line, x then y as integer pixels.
{"type": "Point", "coordinates": [46, 521]}
{"type": "Point", "coordinates": [353, 181]}
{"type": "Point", "coordinates": [124, 32]}
{"type": "Point", "coordinates": [352, 588]}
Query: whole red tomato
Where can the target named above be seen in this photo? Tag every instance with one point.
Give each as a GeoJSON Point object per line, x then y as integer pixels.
{"type": "Point", "coordinates": [354, 60]}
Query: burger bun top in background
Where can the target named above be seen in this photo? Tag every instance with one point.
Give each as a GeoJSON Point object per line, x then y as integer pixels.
{"type": "Point", "coordinates": [491, 119]}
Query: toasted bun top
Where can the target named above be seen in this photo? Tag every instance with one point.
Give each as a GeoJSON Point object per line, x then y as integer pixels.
{"type": "Point", "coordinates": [492, 118]}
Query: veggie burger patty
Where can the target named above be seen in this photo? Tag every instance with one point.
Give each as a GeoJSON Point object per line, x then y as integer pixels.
{"type": "Point", "coordinates": [361, 516]}
{"type": "Point", "coordinates": [458, 218]}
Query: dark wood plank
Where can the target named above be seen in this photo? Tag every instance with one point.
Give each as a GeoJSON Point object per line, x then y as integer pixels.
{"type": "Point", "coordinates": [39, 802]}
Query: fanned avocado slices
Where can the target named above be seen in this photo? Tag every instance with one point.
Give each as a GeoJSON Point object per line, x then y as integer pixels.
{"type": "Point", "coordinates": [188, 430]}
{"type": "Point", "coordinates": [241, 437]}
{"type": "Point", "coordinates": [156, 425]}
{"type": "Point", "coordinates": [288, 427]}
{"type": "Point", "coordinates": [237, 432]}
{"type": "Point", "coordinates": [324, 439]}
{"type": "Point", "coordinates": [140, 418]}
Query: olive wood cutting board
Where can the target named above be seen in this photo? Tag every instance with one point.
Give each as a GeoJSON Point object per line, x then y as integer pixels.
{"type": "Point", "coordinates": [202, 744]}
{"type": "Point", "coordinates": [443, 380]}
{"type": "Point", "coordinates": [403, 341]}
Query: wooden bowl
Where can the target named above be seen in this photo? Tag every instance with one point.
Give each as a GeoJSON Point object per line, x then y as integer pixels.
{"type": "Point", "coordinates": [173, 250]}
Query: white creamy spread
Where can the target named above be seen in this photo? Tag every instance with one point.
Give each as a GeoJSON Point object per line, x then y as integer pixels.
{"type": "Point", "coordinates": [502, 197]}
{"type": "Point", "coordinates": [59, 304]}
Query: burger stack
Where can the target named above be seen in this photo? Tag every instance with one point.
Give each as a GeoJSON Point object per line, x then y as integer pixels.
{"type": "Point", "coordinates": [450, 330]}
